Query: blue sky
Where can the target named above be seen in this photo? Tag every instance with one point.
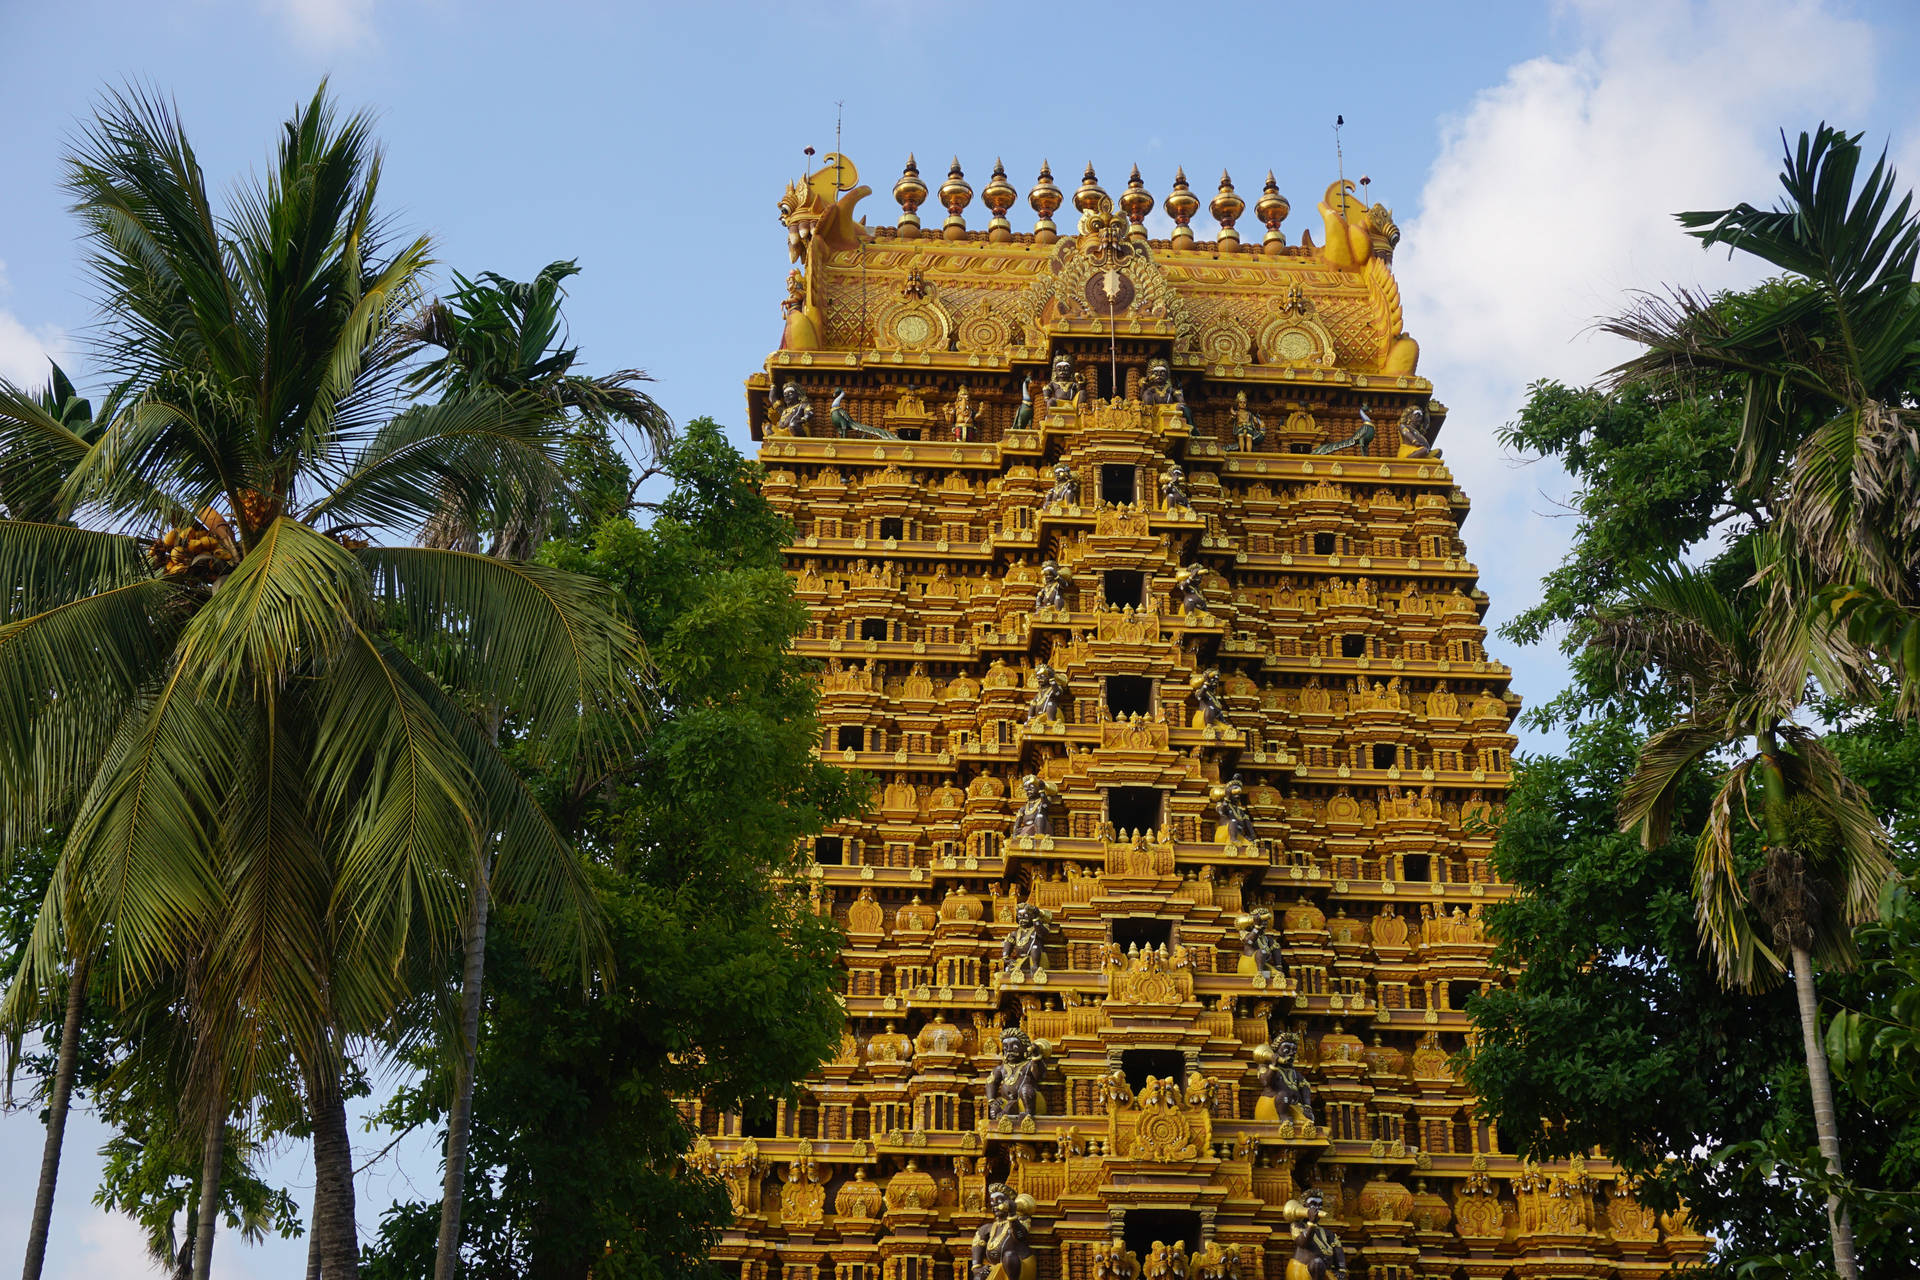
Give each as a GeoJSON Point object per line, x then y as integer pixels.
{"type": "Point", "coordinates": [1533, 154]}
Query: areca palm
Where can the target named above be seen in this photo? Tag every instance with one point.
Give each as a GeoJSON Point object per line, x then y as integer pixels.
{"type": "Point", "coordinates": [504, 337]}
{"type": "Point", "coordinates": [1830, 371]}
{"type": "Point", "coordinates": [1825, 855]}
{"type": "Point", "coordinates": [249, 710]}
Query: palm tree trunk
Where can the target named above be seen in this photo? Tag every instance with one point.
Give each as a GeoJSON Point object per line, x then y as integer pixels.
{"type": "Point", "coordinates": [212, 1157]}
{"type": "Point", "coordinates": [460, 1120]}
{"type": "Point", "coordinates": [1838, 1219]}
{"type": "Point", "coordinates": [333, 1210]}
{"type": "Point", "coordinates": [57, 1120]}
{"type": "Point", "coordinates": [315, 1225]}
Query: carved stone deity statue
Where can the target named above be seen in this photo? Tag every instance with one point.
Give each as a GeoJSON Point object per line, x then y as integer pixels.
{"type": "Point", "coordinates": [1173, 491]}
{"type": "Point", "coordinates": [1053, 587]}
{"type": "Point", "coordinates": [844, 425]}
{"type": "Point", "coordinates": [963, 414]}
{"type": "Point", "coordinates": [1159, 388]}
{"type": "Point", "coordinates": [1259, 949]}
{"type": "Point", "coordinates": [1013, 1086]}
{"type": "Point", "coordinates": [1064, 386]}
{"type": "Point", "coordinates": [1317, 1252]}
{"type": "Point", "coordinates": [1036, 812]}
{"type": "Point", "coordinates": [1023, 956]}
{"type": "Point", "coordinates": [796, 411]}
{"type": "Point", "coordinates": [1000, 1246]}
{"type": "Point", "coordinates": [1249, 430]}
{"type": "Point", "coordinates": [1230, 802]}
{"type": "Point", "coordinates": [1208, 695]}
{"type": "Point", "coordinates": [1417, 433]}
{"type": "Point", "coordinates": [1050, 698]}
{"type": "Point", "coordinates": [1281, 1084]}
{"type": "Point", "coordinates": [1188, 590]}
{"type": "Point", "coordinates": [1065, 491]}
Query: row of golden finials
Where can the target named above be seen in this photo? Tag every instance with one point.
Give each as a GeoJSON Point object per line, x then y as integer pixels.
{"type": "Point", "coordinates": [1136, 202]}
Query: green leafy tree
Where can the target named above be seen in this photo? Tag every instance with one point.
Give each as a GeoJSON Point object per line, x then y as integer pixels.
{"type": "Point", "coordinates": [726, 978]}
{"type": "Point", "coordinates": [505, 338]}
{"type": "Point", "coordinates": [273, 807]}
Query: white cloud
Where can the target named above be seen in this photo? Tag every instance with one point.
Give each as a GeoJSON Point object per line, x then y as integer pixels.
{"type": "Point", "coordinates": [327, 26]}
{"type": "Point", "coordinates": [1553, 196]}
{"type": "Point", "coordinates": [23, 350]}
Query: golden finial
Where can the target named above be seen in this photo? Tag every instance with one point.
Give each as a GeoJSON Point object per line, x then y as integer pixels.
{"type": "Point", "coordinates": [1226, 207]}
{"type": "Point", "coordinates": [955, 194]}
{"type": "Point", "coordinates": [1136, 202]}
{"type": "Point", "coordinates": [1181, 205]}
{"type": "Point", "coordinates": [1089, 196]}
{"type": "Point", "coordinates": [1272, 210]}
{"type": "Point", "coordinates": [910, 191]}
{"type": "Point", "coordinates": [1045, 198]}
{"type": "Point", "coordinates": [998, 195]}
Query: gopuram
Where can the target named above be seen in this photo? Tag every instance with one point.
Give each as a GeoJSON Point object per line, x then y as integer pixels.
{"type": "Point", "coordinates": [1136, 579]}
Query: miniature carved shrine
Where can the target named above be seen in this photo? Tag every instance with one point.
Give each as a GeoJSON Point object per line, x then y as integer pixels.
{"type": "Point", "coordinates": [1137, 582]}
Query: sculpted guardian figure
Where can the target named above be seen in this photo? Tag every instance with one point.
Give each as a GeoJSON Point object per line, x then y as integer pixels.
{"type": "Point", "coordinates": [1065, 491]}
{"type": "Point", "coordinates": [1159, 388]}
{"type": "Point", "coordinates": [1050, 699]}
{"type": "Point", "coordinates": [1000, 1246]}
{"type": "Point", "coordinates": [1023, 956]}
{"type": "Point", "coordinates": [1211, 699]}
{"type": "Point", "coordinates": [1014, 1085]}
{"type": "Point", "coordinates": [1317, 1252]}
{"type": "Point", "coordinates": [1259, 949]}
{"type": "Point", "coordinates": [1053, 588]}
{"type": "Point", "coordinates": [1231, 804]}
{"type": "Point", "coordinates": [1281, 1083]}
{"type": "Point", "coordinates": [1187, 589]}
{"type": "Point", "coordinates": [1036, 813]}
{"type": "Point", "coordinates": [1064, 386]}
{"type": "Point", "coordinates": [796, 412]}
{"type": "Point", "coordinates": [1173, 491]}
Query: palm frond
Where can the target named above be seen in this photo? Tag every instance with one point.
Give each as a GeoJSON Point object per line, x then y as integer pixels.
{"type": "Point", "coordinates": [1720, 902]}
{"type": "Point", "coordinates": [45, 565]}
{"type": "Point", "coordinates": [462, 452]}
{"type": "Point", "coordinates": [1862, 865]}
{"type": "Point", "coordinates": [530, 640]}
{"type": "Point", "coordinates": [37, 453]}
{"type": "Point", "coordinates": [285, 608]}
{"type": "Point", "coordinates": [1647, 800]}
{"type": "Point", "coordinates": [396, 793]}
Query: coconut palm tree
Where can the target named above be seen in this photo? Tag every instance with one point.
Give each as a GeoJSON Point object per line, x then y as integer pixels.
{"type": "Point", "coordinates": [1825, 856]}
{"type": "Point", "coordinates": [247, 705]}
{"type": "Point", "coordinates": [504, 337]}
{"type": "Point", "coordinates": [1830, 369]}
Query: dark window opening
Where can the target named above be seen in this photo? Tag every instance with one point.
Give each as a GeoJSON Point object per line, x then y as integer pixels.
{"type": "Point", "coordinates": [873, 628]}
{"type": "Point", "coordinates": [1116, 483]}
{"type": "Point", "coordinates": [1384, 755]}
{"type": "Point", "coordinates": [1323, 544]}
{"type": "Point", "coordinates": [1133, 808]}
{"type": "Point", "coordinates": [893, 527]}
{"type": "Point", "coordinates": [1164, 1064]}
{"type": "Point", "coordinates": [1142, 931]}
{"type": "Point", "coordinates": [850, 737]}
{"type": "Point", "coordinates": [1458, 993]}
{"type": "Point", "coordinates": [1145, 1227]}
{"type": "Point", "coordinates": [1416, 867]}
{"type": "Point", "coordinates": [1129, 696]}
{"type": "Point", "coordinates": [1125, 587]}
{"type": "Point", "coordinates": [1353, 646]}
{"type": "Point", "coordinates": [756, 1123]}
{"type": "Point", "coordinates": [828, 851]}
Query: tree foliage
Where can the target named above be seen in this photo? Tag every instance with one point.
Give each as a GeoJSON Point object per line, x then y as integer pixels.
{"type": "Point", "coordinates": [724, 980]}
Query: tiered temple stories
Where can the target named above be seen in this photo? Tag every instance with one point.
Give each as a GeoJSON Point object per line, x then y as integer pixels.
{"type": "Point", "coordinates": [1137, 581]}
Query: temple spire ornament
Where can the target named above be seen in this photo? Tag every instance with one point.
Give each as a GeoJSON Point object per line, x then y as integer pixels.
{"type": "Point", "coordinates": [1136, 202]}
{"type": "Point", "coordinates": [909, 192]}
{"type": "Point", "coordinates": [1089, 196]}
{"type": "Point", "coordinates": [1226, 207]}
{"type": "Point", "coordinates": [955, 194]}
{"type": "Point", "coordinates": [998, 195]}
{"type": "Point", "coordinates": [1181, 205]}
{"type": "Point", "coordinates": [1045, 199]}
{"type": "Point", "coordinates": [1272, 209]}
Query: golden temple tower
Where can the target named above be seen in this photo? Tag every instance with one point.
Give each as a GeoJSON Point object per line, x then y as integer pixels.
{"type": "Point", "coordinates": [1137, 581]}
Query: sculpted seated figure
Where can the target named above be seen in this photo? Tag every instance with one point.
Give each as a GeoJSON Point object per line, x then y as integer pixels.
{"type": "Point", "coordinates": [1282, 1086]}
{"type": "Point", "coordinates": [1000, 1246]}
{"type": "Point", "coordinates": [1053, 587]}
{"type": "Point", "coordinates": [1259, 949]}
{"type": "Point", "coordinates": [1023, 956]}
{"type": "Point", "coordinates": [1211, 700]}
{"type": "Point", "coordinates": [1065, 491]}
{"type": "Point", "coordinates": [1188, 590]}
{"type": "Point", "coordinates": [1036, 813]}
{"type": "Point", "coordinates": [1230, 803]}
{"type": "Point", "coordinates": [1013, 1086]}
{"type": "Point", "coordinates": [1064, 386]}
{"type": "Point", "coordinates": [796, 411]}
{"type": "Point", "coordinates": [1173, 491]}
{"type": "Point", "coordinates": [1317, 1252]}
{"type": "Point", "coordinates": [1050, 698]}
{"type": "Point", "coordinates": [1159, 388]}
